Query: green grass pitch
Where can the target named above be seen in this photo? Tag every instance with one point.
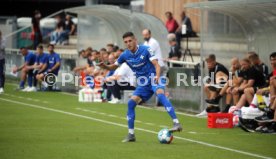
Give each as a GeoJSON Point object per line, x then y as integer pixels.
{"type": "Point", "coordinates": [52, 125]}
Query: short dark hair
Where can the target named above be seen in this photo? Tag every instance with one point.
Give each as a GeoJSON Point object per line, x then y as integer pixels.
{"type": "Point", "coordinates": [128, 34]}
{"type": "Point", "coordinates": [40, 47]}
{"type": "Point", "coordinates": [168, 12]}
{"type": "Point", "coordinates": [246, 60]}
{"type": "Point", "coordinates": [211, 57]}
{"type": "Point", "coordinates": [51, 45]}
{"type": "Point", "coordinates": [103, 49]}
{"type": "Point", "coordinates": [96, 51]}
{"type": "Point", "coordinates": [110, 44]}
{"type": "Point", "coordinates": [21, 48]}
{"type": "Point", "coordinates": [89, 49]}
{"type": "Point", "coordinates": [253, 56]}
{"type": "Point", "coordinates": [149, 31]}
{"type": "Point", "coordinates": [115, 48]}
{"type": "Point", "coordinates": [272, 55]}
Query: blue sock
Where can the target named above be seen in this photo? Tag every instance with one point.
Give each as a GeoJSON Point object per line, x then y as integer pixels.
{"type": "Point", "coordinates": [21, 84]}
{"type": "Point", "coordinates": [131, 113]}
{"type": "Point", "coordinates": [167, 104]}
{"type": "Point", "coordinates": [30, 81]}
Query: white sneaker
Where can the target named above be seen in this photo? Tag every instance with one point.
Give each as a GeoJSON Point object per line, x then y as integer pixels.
{"type": "Point", "coordinates": [1, 90]}
{"type": "Point", "coordinates": [202, 114]}
{"type": "Point", "coordinates": [44, 84]}
{"type": "Point", "coordinates": [26, 89]}
{"type": "Point", "coordinates": [114, 101]}
{"type": "Point", "coordinates": [32, 89]}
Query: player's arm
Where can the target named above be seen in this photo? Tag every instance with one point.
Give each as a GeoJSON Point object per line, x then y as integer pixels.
{"type": "Point", "coordinates": [55, 67]}
{"type": "Point", "coordinates": [108, 67]}
{"type": "Point", "coordinates": [43, 68]}
{"type": "Point", "coordinates": [20, 67]}
{"type": "Point", "coordinates": [79, 68]}
{"type": "Point", "coordinates": [114, 66]}
{"type": "Point", "coordinates": [250, 83]}
{"type": "Point", "coordinates": [58, 61]}
{"type": "Point", "coordinates": [157, 69]}
{"type": "Point", "coordinates": [36, 66]}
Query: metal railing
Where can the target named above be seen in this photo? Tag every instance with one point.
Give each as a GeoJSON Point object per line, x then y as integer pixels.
{"type": "Point", "coordinates": [185, 64]}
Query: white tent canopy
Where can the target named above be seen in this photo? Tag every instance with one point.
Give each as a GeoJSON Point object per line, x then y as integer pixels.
{"type": "Point", "coordinates": [102, 24]}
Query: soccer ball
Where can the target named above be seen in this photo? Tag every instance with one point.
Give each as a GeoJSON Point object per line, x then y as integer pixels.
{"type": "Point", "coordinates": [165, 136]}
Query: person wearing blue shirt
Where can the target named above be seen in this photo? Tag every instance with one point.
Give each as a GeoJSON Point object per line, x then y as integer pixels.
{"type": "Point", "coordinates": [26, 69]}
{"type": "Point", "coordinates": [144, 64]}
{"type": "Point", "coordinates": [40, 61]}
{"type": "Point", "coordinates": [52, 66]}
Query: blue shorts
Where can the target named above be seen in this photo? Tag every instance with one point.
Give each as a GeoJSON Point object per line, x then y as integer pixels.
{"type": "Point", "coordinates": [145, 92]}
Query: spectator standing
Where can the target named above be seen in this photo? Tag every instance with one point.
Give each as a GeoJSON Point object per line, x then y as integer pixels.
{"type": "Point", "coordinates": [36, 33]}
{"type": "Point", "coordinates": [70, 27]}
{"type": "Point", "coordinates": [185, 21]}
{"type": "Point", "coordinates": [155, 47]}
{"type": "Point", "coordinates": [2, 62]}
{"type": "Point", "coordinates": [171, 23]}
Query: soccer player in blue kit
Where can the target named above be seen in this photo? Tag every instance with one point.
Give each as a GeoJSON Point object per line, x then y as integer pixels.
{"type": "Point", "coordinates": [26, 69]}
{"type": "Point", "coordinates": [144, 64]}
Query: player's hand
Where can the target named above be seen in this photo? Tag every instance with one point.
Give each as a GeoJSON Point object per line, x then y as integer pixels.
{"type": "Point", "coordinates": [272, 78]}
{"type": "Point", "coordinates": [76, 70]}
{"type": "Point", "coordinates": [235, 90]}
{"type": "Point", "coordinates": [156, 79]}
{"type": "Point", "coordinates": [14, 70]}
{"type": "Point", "coordinates": [259, 92]}
{"type": "Point", "coordinates": [101, 65]}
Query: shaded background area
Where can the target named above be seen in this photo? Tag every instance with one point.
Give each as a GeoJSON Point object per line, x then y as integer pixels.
{"type": "Point", "coordinates": [23, 8]}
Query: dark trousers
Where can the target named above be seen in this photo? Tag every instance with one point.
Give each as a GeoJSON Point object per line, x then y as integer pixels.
{"type": "Point", "coordinates": [117, 87]}
{"type": "Point", "coordinates": [179, 36]}
{"type": "Point", "coordinates": [108, 92]}
{"type": "Point", "coordinates": [2, 74]}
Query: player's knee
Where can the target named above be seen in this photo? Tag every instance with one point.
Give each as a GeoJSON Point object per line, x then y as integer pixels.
{"type": "Point", "coordinates": [272, 83]}
{"type": "Point", "coordinates": [247, 91]}
{"type": "Point", "coordinates": [137, 99]}
{"type": "Point", "coordinates": [38, 77]}
{"type": "Point", "coordinates": [160, 91]}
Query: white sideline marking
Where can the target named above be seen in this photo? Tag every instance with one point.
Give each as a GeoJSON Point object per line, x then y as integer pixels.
{"type": "Point", "coordinates": [163, 110]}
{"type": "Point", "coordinates": [144, 107]}
{"type": "Point", "coordinates": [20, 97]}
{"type": "Point", "coordinates": [111, 115]}
{"type": "Point", "coordinates": [105, 114]}
{"type": "Point", "coordinates": [141, 129]}
{"type": "Point", "coordinates": [149, 123]}
{"type": "Point", "coordinates": [163, 126]}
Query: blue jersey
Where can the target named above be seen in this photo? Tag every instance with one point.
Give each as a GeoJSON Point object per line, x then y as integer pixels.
{"type": "Point", "coordinates": [53, 58]}
{"type": "Point", "coordinates": [140, 61]}
{"type": "Point", "coordinates": [29, 58]}
{"type": "Point", "coordinates": [41, 59]}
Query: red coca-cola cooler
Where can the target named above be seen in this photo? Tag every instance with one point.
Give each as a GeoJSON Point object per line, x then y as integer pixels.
{"type": "Point", "coordinates": [220, 120]}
